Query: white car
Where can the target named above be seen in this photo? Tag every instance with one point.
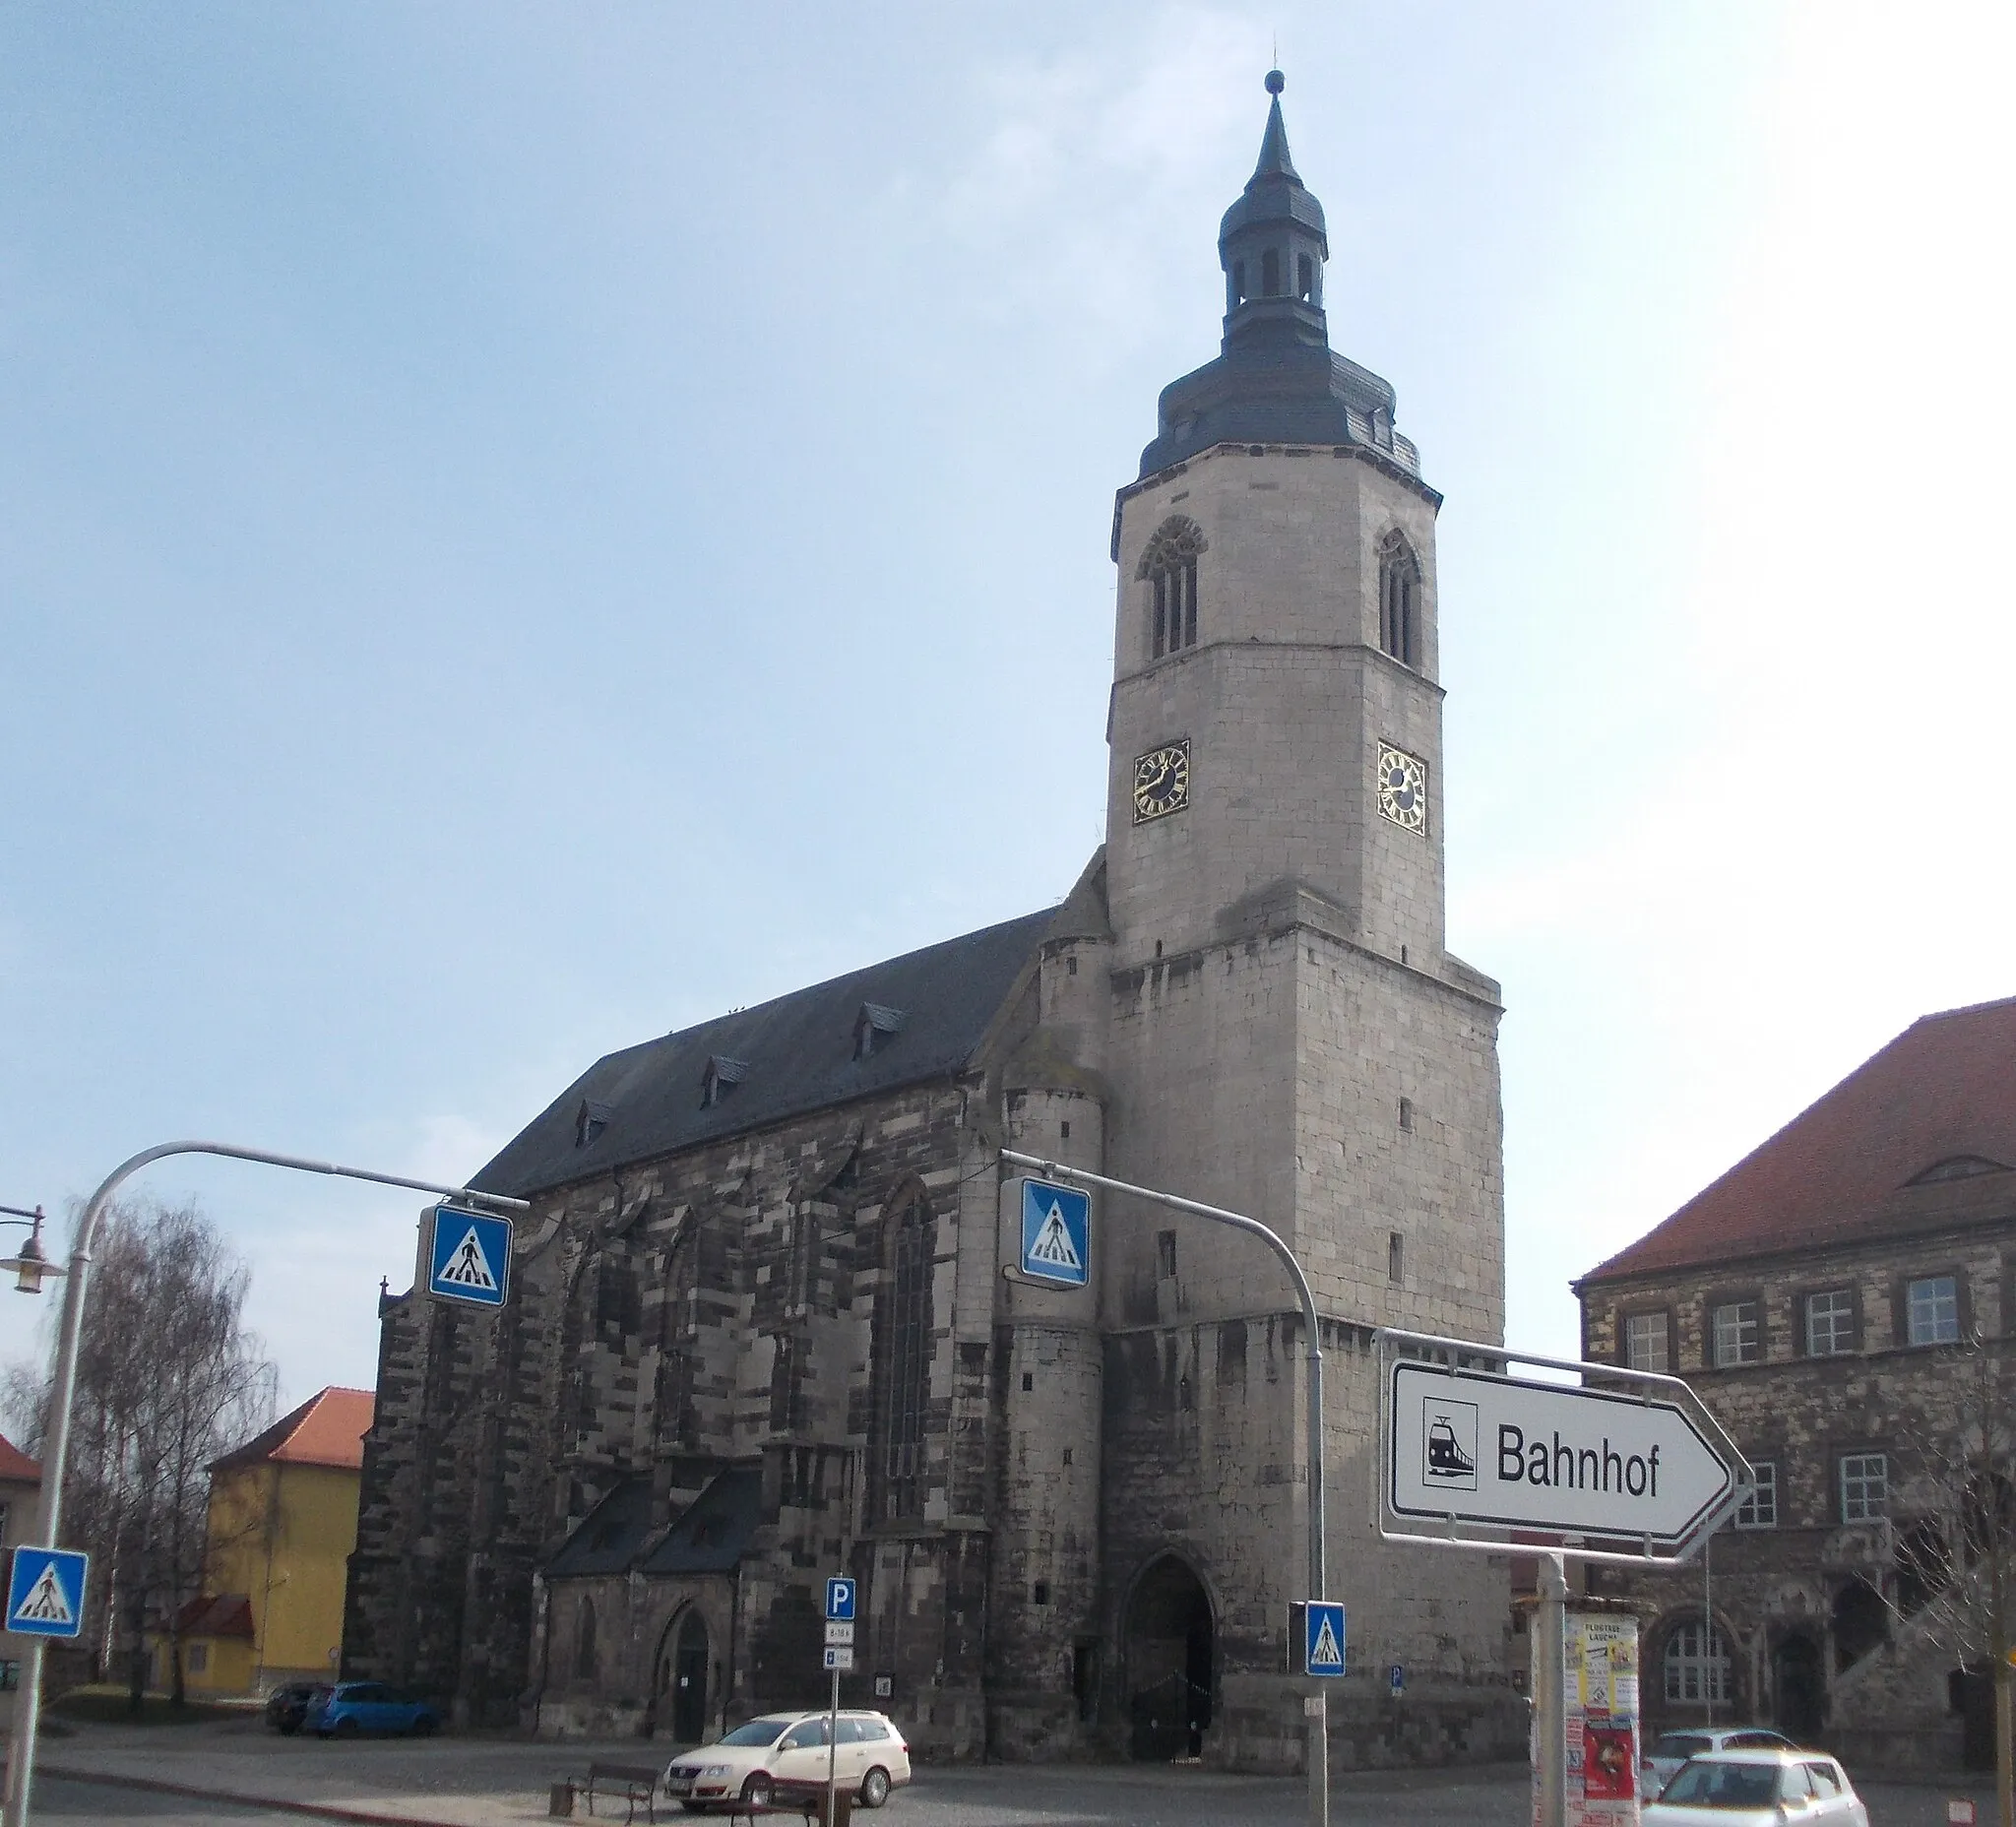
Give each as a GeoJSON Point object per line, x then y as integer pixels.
{"type": "Point", "coordinates": [870, 1758]}
{"type": "Point", "coordinates": [1759, 1789]}
{"type": "Point", "coordinates": [1671, 1749]}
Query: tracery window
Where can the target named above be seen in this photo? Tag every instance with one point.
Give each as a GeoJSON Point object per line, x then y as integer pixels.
{"type": "Point", "coordinates": [1696, 1662]}
{"type": "Point", "coordinates": [1168, 567]}
{"type": "Point", "coordinates": [1400, 600]}
{"type": "Point", "coordinates": [903, 1353]}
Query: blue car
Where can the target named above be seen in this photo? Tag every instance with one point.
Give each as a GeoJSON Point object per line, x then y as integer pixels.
{"type": "Point", "coordinates": [351, 1707]}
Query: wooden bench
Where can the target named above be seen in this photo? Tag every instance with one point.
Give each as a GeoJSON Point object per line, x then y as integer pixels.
{"type": "Point", "coordinates": [634, 1783]}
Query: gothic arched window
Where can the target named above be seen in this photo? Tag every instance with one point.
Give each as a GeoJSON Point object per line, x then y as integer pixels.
{"type": "Point", "coordinates": [1696, 1662]}
{"type": "Point", "coordinates": [1168, 567]}
{"type": "Point", "coordinates": [1400, 600]}
{"type": "Point", "coordinates": [584, 1641]}
{"type": "Point", "coordinates": [903, 1357]}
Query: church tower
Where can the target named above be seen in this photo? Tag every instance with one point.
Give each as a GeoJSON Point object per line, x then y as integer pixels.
{"type": "Point", "coordinates": [1285, 1032]}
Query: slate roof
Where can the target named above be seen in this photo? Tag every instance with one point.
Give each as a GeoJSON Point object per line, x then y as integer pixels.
{"type": "Point", "coordinates": [15, 1467]}
{"type": "Point", "coordinates": [327, 1429]}
{"type": "Point", "coordinates": [221, 1615]}
{"type": "Point", "coordinates": [1920, 1136]}
{"type": "Point", "coordinates": [797, 1054]}
{"type": "Point", "coordinates": [709, 1538]}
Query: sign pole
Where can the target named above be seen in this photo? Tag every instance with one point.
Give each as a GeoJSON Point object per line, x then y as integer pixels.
{"type": "Point", "coordinates": [832, 1750]}
{"type": "Point", "coordinates": [1549, 1673]}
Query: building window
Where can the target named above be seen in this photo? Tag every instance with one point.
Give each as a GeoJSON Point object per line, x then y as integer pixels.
{"type": "Point", "coordinates": [722, 1076]}
{"type": "Point", "coordinates": [1648, 1342]}
{"type": "Point", "coordinates": [904, 1358]}
{"type": "Point", "coordinates": [1830, 1323]}
{"type": "Point", "coordinates": [1270, 273]}
{"type": "Point", "coordinates": [1759, 1507]}
{"type": "Point", "coordinates": [1696, 1662]}
{"type": "Point", "coordinates": [875, 1025]}
{"type": "Point", "coordinates": [1865, 1487]}
{"type": "Point", "coordinates": [584, 1641]}
{"type": "Point", "coordinates": [590, 1121]}
{"type": "Point", "coordinates": [1932, 1307]}
{"type": "Point", "coordinates": [1396, 1257]}
{"type": "Point", "coordinates": [10, 1677]}
{"type": "Point", "coordinates": [1305, 278]}
{"type": "Point", "coordinates": [1400, 600]}
{"type": "Point", "coordinates": [198, 1659]}
{"type": "Point", "coordinates": [1168, 567]}
{"type": "Point", "coordinates": [1737, 1334]}
{"type": "Point", "coordinates": [1166, 1255]}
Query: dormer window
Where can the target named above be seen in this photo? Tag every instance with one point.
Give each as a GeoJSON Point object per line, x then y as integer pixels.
{"type": "Point", "coordinates": [1168, 568]}
{"type": "Point", "coordinates": [875, 1027]}
{"type": "Point", "coordinates": [722, 1076]}
{"type": "Point", "coordinates": [1400, 600]}
{"type": "Point", "coordinates": [590, 1121]}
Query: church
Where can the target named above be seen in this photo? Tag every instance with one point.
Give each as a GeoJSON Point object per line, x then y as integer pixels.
{"type": "Point", "coordinates": [764, 1320]}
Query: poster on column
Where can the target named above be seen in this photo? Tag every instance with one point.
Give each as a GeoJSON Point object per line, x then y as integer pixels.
{"type": "Point", "coordinates": [1600, 1718]}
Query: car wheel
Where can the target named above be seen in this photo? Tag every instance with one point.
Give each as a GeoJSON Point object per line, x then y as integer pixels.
{"type": "Point", "coordinates": [425, 1725]}
{"type": "Point", "coordinates": [874, 1788]}
{"type": "Point", "coordinates": [344, 1729]}
{"type": "Point", "coordinates": [288, 1726]}
{"type": "Point", "coordinates": [758, 1791]}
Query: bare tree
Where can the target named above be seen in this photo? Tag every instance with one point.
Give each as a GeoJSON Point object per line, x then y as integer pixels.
{"type": "Point", "coordinates": [167, 1379]}
{"type": "Point", "coordinates": [1954, 1539]}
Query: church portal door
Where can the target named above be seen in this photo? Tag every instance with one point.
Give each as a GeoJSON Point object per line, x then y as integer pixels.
{"type": "Point", "coordinates": [1799, 1685]}
{"type": "Point", "coordinates": [689, 1680]}
{"type": "Point", "coordinates": [1170, 1663]}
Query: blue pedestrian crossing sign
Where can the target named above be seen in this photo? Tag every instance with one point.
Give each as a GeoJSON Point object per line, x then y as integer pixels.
{"type": "Point", "coordinates": [471, 1256]}
{"type": "Point", "coordinates": [840, 1600]}
{"type": "Point", "coordinates": [1323, 1637]}
{"type": "Point", "coordinates": [46, 1592]}
{"type": "Point", "coordinates": [1057, 1232]}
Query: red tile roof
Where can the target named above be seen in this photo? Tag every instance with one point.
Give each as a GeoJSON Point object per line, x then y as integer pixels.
{"type": "Point", "coordinates": [1842, 1172]}
{"type": "Point", "coordinates": [17, 1464]}
{"type": "Point", "coordinates": [327, 1429]}
{"type": "Point", "coordinates": [224, 1615]}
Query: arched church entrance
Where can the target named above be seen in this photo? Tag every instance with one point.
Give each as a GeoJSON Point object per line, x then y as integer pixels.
{"type": "Point", "coordinates": [679, 1679]}
{"type": "Point", "coordinates": [1170, 1663]}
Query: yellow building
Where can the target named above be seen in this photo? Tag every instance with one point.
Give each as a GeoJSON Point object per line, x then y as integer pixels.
{"type": "Point", "coordinates": [20, 1505]}
{"type": "Point", "coordinates": [282, 1522]}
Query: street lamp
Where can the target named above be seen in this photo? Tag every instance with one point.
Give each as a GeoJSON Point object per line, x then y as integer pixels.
{"type": "Point", "coordinates": [1316, 1707]}
{"type": "Point", "coordinates": [29, 1266]}
{"type": "Point", "coordinates": [30, 1263]}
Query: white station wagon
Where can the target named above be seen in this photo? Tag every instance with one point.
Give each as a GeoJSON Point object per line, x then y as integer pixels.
{"type": "Point", "coordinates": [869, 1758]}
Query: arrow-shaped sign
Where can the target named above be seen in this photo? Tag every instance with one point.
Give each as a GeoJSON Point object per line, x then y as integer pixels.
{"type": "Point", "coordinates": [1545, 1456]}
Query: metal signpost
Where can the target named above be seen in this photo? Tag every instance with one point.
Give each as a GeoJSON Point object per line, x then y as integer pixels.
{"type": "Point", "coordinates": [1625, 1467]}
{"type": "Point", "coordinates": [840, 1594]}
{"type": "Point", "coordinates": [1315, 1707]}
{"type": "Point", "coordinates": [20, 1754]}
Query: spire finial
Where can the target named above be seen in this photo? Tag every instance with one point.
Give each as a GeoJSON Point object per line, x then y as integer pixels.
{"type": "Point", "coordinates": [1275, 82]}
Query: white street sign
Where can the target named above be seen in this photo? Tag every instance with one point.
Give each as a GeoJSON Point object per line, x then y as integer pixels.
{"type": "Point", "coordinates": [841, 1660]}
{"type": "Point", "coordinates": [1543, 1456]}
{"type": "Point", "coordinates": [839, 1631]}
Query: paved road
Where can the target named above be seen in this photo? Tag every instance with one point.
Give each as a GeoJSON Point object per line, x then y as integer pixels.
{"type": "Point", "coordinates": [73, 1803]}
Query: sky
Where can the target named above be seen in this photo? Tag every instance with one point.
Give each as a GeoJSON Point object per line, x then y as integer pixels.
{"type": "Point", "coordinates": [526, 526]}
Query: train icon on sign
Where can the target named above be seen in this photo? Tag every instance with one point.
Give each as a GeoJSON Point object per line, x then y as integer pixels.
{"type": "Point", "coordinates": [1448, 1444]}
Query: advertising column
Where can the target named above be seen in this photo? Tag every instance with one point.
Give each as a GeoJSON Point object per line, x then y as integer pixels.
{"type": "Point", "coordinates": [1599, 1711]}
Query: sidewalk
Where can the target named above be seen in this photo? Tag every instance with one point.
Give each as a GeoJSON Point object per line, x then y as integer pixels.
{"type": "Point", "coordinates": [455, 1782]}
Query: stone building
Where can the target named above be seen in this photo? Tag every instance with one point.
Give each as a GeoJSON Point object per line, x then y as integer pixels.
{"type": "Point", "coordinates": [1824, 1298]}
{"type": "Point", "coordinates": [759, 1329]}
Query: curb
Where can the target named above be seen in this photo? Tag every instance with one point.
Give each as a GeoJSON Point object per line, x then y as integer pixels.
{"type": "Point", "coordinates": [314, 1810]}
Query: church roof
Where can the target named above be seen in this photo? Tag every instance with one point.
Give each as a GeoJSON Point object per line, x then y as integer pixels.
{"type": "Point", "coordinates": [799, 1053]}
{"type": "Point", "coordinates": [1920, 1136]}
{"type": "Point", "coordinates": [710, 1536]}
{"type": "Point", "coordinates": [327, 1429]}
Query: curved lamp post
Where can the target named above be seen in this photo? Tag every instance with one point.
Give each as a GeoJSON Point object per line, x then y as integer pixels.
{"type": "Point", "coordinates": [32, 1263]}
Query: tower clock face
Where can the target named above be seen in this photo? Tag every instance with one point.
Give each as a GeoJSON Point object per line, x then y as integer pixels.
{"type": "Point", "coordinates": [1403, 789]}
{"type": "Point", "coordinates": [1161, 782]}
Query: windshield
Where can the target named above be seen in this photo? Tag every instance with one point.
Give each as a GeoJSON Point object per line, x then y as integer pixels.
{"type": "Point", "coordinates": [1679, 1744]}
{"type": "Point", "coordinates": [1707, 1785]}
{"type": "Point", "coordinates": [758, 1731]}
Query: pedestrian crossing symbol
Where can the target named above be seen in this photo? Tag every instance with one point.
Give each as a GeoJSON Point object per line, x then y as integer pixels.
{"type": "Point", "coordinates": [471, 1256]}
{"type": "Point", "coordinates": [1323, 1642]}
{"type": "Point", "coordinates": [1057, 1231]}
{"type": "Point", "coordinates": [46, 1592]}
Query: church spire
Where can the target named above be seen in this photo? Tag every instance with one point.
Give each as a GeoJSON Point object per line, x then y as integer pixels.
{"type": "Point", "coordinates": [1272, 245]}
